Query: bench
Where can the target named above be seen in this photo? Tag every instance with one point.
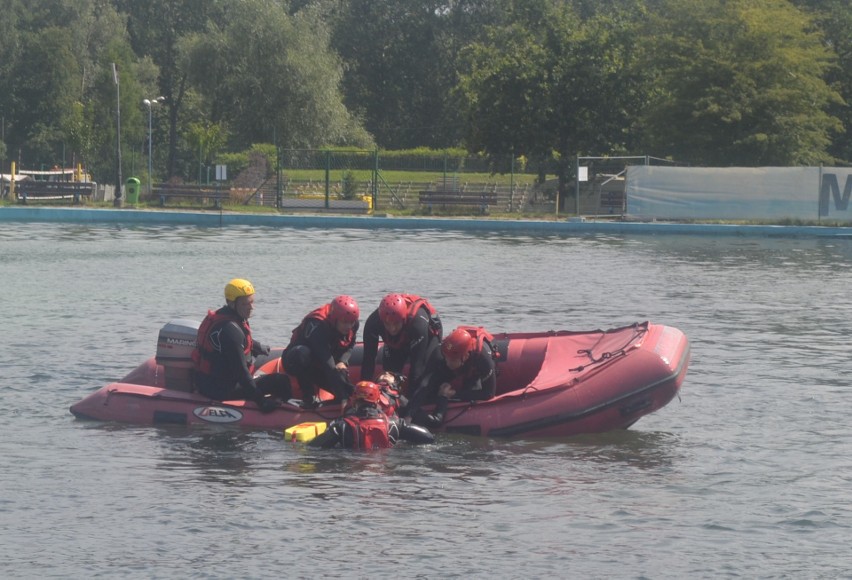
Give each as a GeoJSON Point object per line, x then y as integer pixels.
{"type": "Point", "coordinates": [480, 199]}
{"type": "Point", "coordinates": [53, 190]}
{"type": "Point", "coordinates": [203, 193]}
{"type": "Point", "coordinates": [313, 204]}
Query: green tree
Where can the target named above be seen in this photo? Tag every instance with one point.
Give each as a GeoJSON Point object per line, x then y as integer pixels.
{"type": "Point", "coordinates": [56, 51]}
{"type": "Point", "coordinates": [834, 19]}
{"type": "Point", "coordinates": [10, 51]}
{"type": "Point", "coordinates": [99, 109]}
{"type": "Point", "coordinates": [270, 76]}
{"type": "Point", "coordinates": [401, 65]}
{"type": "Point", "coordinates": [553, 82]}
{"type": "Point", "coordinates": [740, 82]}
{"type": "Point", "coordinates": [46, 87]}
{"type": "Point", "coordinates": [207, 139]}
{"type": "Point", "coordinates": [157, 29]}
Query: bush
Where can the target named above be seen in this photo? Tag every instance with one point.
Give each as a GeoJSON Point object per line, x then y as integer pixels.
{"type": "Point", "coordinates": [349, 185]}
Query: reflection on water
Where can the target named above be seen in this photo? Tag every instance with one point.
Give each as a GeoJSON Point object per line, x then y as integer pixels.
{"type": "Point", "coordinates": [217, 455]}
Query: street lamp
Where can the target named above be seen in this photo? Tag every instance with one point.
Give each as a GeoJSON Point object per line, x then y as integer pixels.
{"type": "Point", "coordinates": [150, 103]}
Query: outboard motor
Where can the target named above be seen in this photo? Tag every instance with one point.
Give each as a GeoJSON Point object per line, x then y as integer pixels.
{"type": "Point", "coordinates": [174, 352]}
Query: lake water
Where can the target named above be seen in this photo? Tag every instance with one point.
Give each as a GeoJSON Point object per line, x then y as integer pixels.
{"type": "Point", "coordinates": [748, 474]}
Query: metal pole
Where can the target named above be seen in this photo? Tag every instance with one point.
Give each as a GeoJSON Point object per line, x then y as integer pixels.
{"type": "Point", "coordinates": [375, 192]}
{"type": "Point", "coordinates": [327, 178]}
{"type": "Point", "coordinates": [150, 104]}
{"type": "Point", "coordinates": [278, 178]}
{"type": "Point", "coordinates": [117, 199]}
{"type": "Point", "coordinates": [577, 187]}
{"type": "Point", "coordinates": [512, 182]}
{"type": "Point", "coordinates": [150, 163]}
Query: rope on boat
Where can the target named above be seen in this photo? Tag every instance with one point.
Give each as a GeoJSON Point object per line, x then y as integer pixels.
{"type": "Point", "coordinates": [605, 356]}
{"type": "Point", "coordinates": [460, 412]}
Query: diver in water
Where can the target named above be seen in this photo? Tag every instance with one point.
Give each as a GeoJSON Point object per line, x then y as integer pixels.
{"type": "Point", "coordinates": [366, 425]}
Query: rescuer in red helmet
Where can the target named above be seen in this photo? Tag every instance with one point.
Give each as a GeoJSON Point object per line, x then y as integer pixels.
{"type": "Point", "coordinates": [319, 350]}
{"type": "Point", "coordinates": [411, 331]}
{"type": "Point", "coordinates": [465, 370]}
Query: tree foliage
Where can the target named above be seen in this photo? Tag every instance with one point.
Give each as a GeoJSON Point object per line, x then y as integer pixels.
{"type": "Point", "coordinates": [401, 61]}
{"type": "Point", "coordinates": [739, 82]}
{"type": "Point", "coordinates": [712, 82]}
{"type": "Point", "coordinates": [271, 75]}
{"type": "Point", "coordinates": [834, 21]}
{"type": "Point", "coordinates": [551, 82]}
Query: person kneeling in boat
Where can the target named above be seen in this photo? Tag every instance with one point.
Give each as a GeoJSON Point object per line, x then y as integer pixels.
{"type": "Point", "coordinates": [319, 350]}
{"type": "Point", "coordinates": [225, 352]}
{"type": "Point", "coordinates": [465, 371]}
{"type": "Point", "coordinates": [411, 331]}
{"type": "Point", "coordinates": [366, 425]}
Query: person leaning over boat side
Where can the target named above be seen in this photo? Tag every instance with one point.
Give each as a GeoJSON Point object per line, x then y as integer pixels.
{"type": "Point", "coordinates": [464, 370]}
{"type": "Point", "coordinates": [224, 354]}
{"type": "Point", "coordinates": [411, 331]}
{"type": "Point", "coordinates": [319, 350]}
{"type": "Point", "coordinates": [366, 424]}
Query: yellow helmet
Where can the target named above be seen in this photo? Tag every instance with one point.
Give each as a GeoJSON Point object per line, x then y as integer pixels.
{"type": "Point", "coordinates": [236, 288]}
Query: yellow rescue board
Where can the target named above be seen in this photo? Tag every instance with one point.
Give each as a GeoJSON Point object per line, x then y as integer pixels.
{"type": "Point", "coordinates": [304, 432]}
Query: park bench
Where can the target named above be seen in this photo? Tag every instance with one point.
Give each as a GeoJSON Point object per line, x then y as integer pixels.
{"type": "Point", "coordinates": [205, 194]}
{"type": "Point", "coordinates": [442, 198]}
{"type": "Point", "coordinates": [318, 204]}
{"type": "Point", "coordinates": [53, 190]}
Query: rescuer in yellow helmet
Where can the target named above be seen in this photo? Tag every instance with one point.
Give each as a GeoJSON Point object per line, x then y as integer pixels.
{"type": "Point", "coordinates": [224, 356]}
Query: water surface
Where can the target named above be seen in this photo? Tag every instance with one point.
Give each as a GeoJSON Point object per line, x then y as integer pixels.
{"type": "Point", "coordinates": [748, 474]}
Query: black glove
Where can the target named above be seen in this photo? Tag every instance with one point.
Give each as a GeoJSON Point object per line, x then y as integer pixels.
{"type": "Point", "coordinates": [258, 349]}
{"type": "Point", "coordinates": [434, 420]}
{"type": "Point", "coordinates": [350, 390]}
{"type": "Point", "coordinates": [344, 373]}
{"type": "Point", "coordinates": [266, 404]}
{"type": "Point", "coordinates": [311, 402]}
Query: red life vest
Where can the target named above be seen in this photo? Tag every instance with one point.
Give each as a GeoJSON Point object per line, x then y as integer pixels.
{"type": "Point", "coordinates": [389, 400]}
{"type": "Point", "coordinates": [369, 432]}
{"type": "Point", "coordinates": [322, 314]}
{"type": "Point", "coordinates": [206, 352]}
{"type": "Point", "coordinates": [414, 303]}
{"type": "Point", "coordinates": [481, 336]}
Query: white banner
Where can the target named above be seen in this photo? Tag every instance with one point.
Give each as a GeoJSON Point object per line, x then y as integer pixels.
{"type": "Point", "coordinates": [807, 193]}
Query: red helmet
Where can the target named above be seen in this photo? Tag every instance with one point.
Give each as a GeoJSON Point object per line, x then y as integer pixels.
{"type": "Point", "coordinates": [345, 309]}
{"type": "Point", "coordinates": [458, 344]}
{"type": "Point", "coordinates": [367, 391]}
{"type": "Point", "coordinates": [393, 309]}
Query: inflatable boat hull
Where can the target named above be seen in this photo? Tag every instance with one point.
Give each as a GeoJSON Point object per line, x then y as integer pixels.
{"type": "Point", "coordinates": [550, 384]}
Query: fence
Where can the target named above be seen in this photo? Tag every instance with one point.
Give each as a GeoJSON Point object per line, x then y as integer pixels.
{"type": "Point", "coordinates": [599, 189]}
{"type": "Point", "coordinates": [329, 180]}
{"type": "Point", "coordinates": [367, 180]}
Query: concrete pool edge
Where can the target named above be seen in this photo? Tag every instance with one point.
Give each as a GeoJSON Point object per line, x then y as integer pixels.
{"type": "Point", "coordinates": [224, 219]}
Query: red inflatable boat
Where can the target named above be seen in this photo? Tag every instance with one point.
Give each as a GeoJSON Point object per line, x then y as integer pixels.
{"type": "Point", "coordinates": [549, 384]}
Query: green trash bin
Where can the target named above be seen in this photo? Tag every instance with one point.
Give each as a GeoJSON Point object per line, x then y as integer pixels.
{"type": "Point", "coordinates": [131, 188]}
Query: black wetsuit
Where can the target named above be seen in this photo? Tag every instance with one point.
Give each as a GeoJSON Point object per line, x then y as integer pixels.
{"type": "Point", "coordinates": [312, 358]}
{"type": "Point", "coordinates": [478, 381]}
{"type": "Point", "coordinates": [340, 432]}
{"type": "Point", "coordinates": [420, 344]}
{"type": "Point", "coordinates": [230, 377]}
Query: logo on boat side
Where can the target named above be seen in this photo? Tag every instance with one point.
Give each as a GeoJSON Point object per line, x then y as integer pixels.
{"type": "Point", "coordinates": [217, 414]}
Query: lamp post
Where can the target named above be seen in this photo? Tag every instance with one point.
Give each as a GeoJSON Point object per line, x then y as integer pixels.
{"type": "Point", "coordinates": [150, 103]}
{"type": "Point", "coordinates": [116, 202]}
